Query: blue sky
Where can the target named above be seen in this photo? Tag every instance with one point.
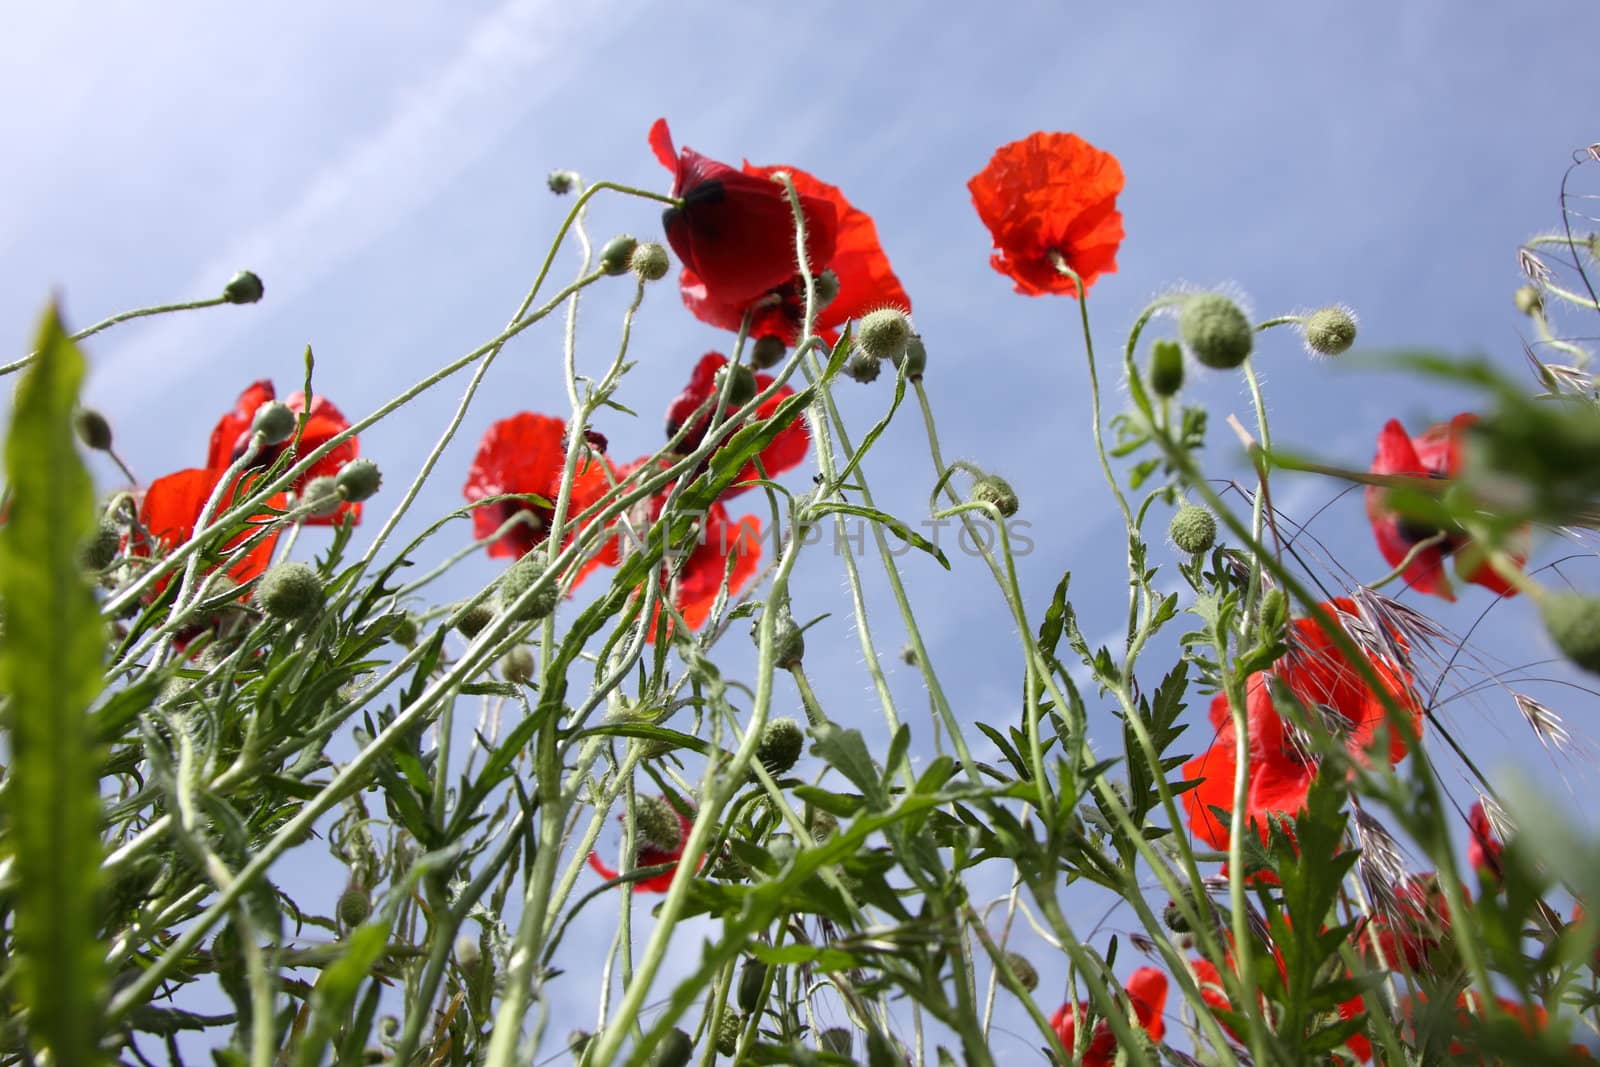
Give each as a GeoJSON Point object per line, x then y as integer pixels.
{"type": "Point", "coordinates": [382, 167]}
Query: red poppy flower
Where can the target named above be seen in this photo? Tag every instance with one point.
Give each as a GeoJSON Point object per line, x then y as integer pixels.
{"type": "Point", "coordinates": [231, 437]}
{"type": "Point", "coordinates": [648, 855]}
{"type": "Point", "coordinates": [786, 450]}
{"type": "Point", "coordinates": [1281, 771]}
{"type": "Point", "coordinates": [736, 230]}
{"type": "Point", "coordinates": [1213, 994]}
{"type": "Point", "coordinates": [170, 506]}
{"type": "Point", "coordinates": [1485, 849]}
{"type": "Point", "coordinates": [1436, 454]}
{"type": "Point", "coordinates": [1404, 933]}
{"type": "Point", "coordinates": [526, 455]}
{"type": "Point", "coordinates": [866, 280]}
{"type": "Point", "coordinates": [1049, 195]}
{"type": "Point", "coordinates": [1147, 994]}
{"type": "Point", "coordinates": [1532, 1018]}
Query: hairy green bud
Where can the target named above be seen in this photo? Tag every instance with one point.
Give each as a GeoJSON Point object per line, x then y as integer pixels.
{"type": "Point", "coordinates": [674, 1050]}
{"type": "Point", "coordinates": [657, 823]}
{"type": "Point", "coordinates": [518, 579]}
{"type": "Point", "coordinates": [321, 495]}
{"type": "Point", "coordinates": [862, 367]}
{"type": "Point", "coordinates": [781, 744]}
{"type": "Point", "coordinates": [617, 254]}
{"type": "Point", "coordinates": [1330, 331]}
{"type": "Point", "coordinates": [884, 334]}
{"type": "Point", "coordinates": [1166, 368]}
{"type": "Point", "coordinates": [728, 1033]}
{"type": "Point", "coordinates": [995, 490]}
{"type": "Point", "coordinates": [752, 979]}
{"type": "Point", "coordinates": [742, 388]}
{"type": "Point", "coordinates": [649, 261]}
{"type": "Point", "coordinates": [244, 288]}
{"type": "Point", "coordinates": [472, 623]}
{"type": "Point", "coordinates": [1193, 529]}
{"type": "Point", "coordinates": [93, 429]}
{"type": "Point", "coordinates": [355, 905]}
{"type": "Point", "coordinates": [517, 667]}
{"type": "Point", "coordinates": [290, 591]}
{"type": "Point", "coordinates": [359, 480]}
{"type": "Point", "coordinates": [767, 351]}
{"type": "Point", "coordinates": [1529, 301]}
{"type": "Point", "coordinates": [1023, 968]}
{"type": "Point", "coordinates": [1215, 330]}
{"type": "Point", "coordinates": [102, 546]}
{"type": "Point", "coordinates": [562, 182]}
{"type": "Point", "coordinates": [273, 423]}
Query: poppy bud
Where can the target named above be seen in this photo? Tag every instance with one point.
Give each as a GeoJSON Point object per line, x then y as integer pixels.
{"type": "Point", "coordinates": [657, 825]}
{"type": "Point", "coordinates": [995, 490]}
{"type": "Point", "coordinates": [562, 182]}
{"type": "Point", "coordinates": [469, 954]}
{"type": "Point", "coordinates": [1215, 330]}
{"type": "Point", "coordinates": [1026, 974]}
{"type": "Point", "coordinates": [1173, 917]}
{"type": "Point", "coordinates": [826, 286]}
{"type": "Point", "coordinates": [102, 546]}
{"type": "Point", "coordinates": [355, 905]}
{"type": "Point", "coordinates": [674, 1050]}
{"type": "Point", "coordinates": [1573, 622]}
{"type": "Point", "coordinates": [1528, 300]}
{"type": "Point", "coordinates": [321, 495]}
{"type": "Point", "coordinates": [884, 333]}
{"type": "Point", "coordinates": [517, 666]}
{"type": "Point", "coordinates": [290, 591]}
{"type": "Point", "coordinates": [781, 848]}
{"type": "Point", "coordinates": [915, 358]}
{"type": "Point", "coordinates": [518, 579]}
{"type": "Point", "coordinates": [1330, 331]}
{"type": "Point", "coordinates": [273, 423]}
{"type": "Point", "coordinates": [404, 631]}
{"type": "Point", "coordinates": [823, 825]}
{"type": "Point", "coordinates": [93, 429]}
{"type": "Point", "coordinates": [617, 253]}
{"type": "Point", "coordinates": [767, 351]}
{"type": "Point", "coordinates": [476, 618]}
{"type": "Point", "coordinates": [862, 367]}
{"type": "Point", "coordinates": [788, 642]}
{"type": "Point", "coordinates": [837, 1040]}
{"type": "Point", "coordinates": [1166, 368]}
{"type": "Point", "coordinates": [752, 979]}
{"type": "Point", "coordinates": [1274, 614]}
{"type": "Point", "coordinates": [649, 261]}
{"type": "Point", "coordinates": [243, 288]}
{"type": "Point", "coordinates": [1193, 529]}
{"type": "Point", "coordinates": [359, 480]}
{"type": "Point", "coordinates": [742, 389]}
{"type": "Point", "coordinates": [728, 1033]}
{"type": "Point", "coordinates": [781, 744]}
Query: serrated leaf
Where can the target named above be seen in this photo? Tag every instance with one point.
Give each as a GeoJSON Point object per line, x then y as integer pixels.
{"type": "Point", "coordinates": [337, 987]}
{"type": "Point", "coordinates": [50, 669]}
{"type": "Point", "coordinates": [846, 752]}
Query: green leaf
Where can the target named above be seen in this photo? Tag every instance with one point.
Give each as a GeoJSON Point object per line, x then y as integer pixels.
{"type": "Point", "coordinates": [846, 751]}
{"type": "Point", "coordinates": [336, 989]}
{"type": "Point", "coordinates": [895, 526]}
{"type": "Point", "coordinates": [50, 668]}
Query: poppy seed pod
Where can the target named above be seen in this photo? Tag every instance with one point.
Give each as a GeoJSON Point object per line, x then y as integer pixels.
{"type": "Point", "coordinates": [743, 388]}
{"type": "Point", "coordinates": [649, 261]}
{"type": "Point", "coordinates": [617, 253]}
{"type": "Point", "coordinates": [728, 1033]}
{"type": "Point", "coordinates": [884, 333]}
{"type": "Point", "coordinates": [517, 666]}
{"type": "Point", "coordinates": [102, 546]}
{"type": "Point", "coordinates": [995, 490]}
{"type": "Point", "coordinates": [1573, 622]}
{"type": "Point", "coordinates": [244, 288]}
{"type": "Point", "coordinates": [405, 630]}
{"type": "Point", "coordinates": [321, 495]}
{"type": "Point", "coordinates": [657, 824]}
{"type": "Point", "coordinates": [862, 367]}
{"type": "Point", "coordinates": [93, 429]}
{"type": "Point", "coordinates": [1215, 330]}
{"type": "Point", "coordinates": [273, 423]}
{"type": "Point", "coordinates": [767, 351]}
{"type": "Point", "coordinates": [1528, 300]}
{"type": "Point", "coordinates": [781, 744]}
{"type": "Point", "coordinates": [290, 591]}
{"type": "Point", "coordinates": [674, 1050]}
{"type": "Point", "coordinates": [752, 979]}
{"type": "Point", "coordinates": [1026, 974]}
{"type": "Point", "coordinates": [562, 182]}
{"type": "Point", "coordinates": [359, 480]}
{"type": "Point", "coordinates": [518, 579]}
{"type": "Point", "coordinates": [1166, 368]}
{"type": "Point", "coordinates": [915, 358]}
{"type": "Point", "coordinates": [471, 624]}
{"type": "Point", "coordinates": [1330, 331]}
{"type": "Point", "coordinates": [355, 905]}
{"type": "Point", "coordinates": [1193, 529]}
